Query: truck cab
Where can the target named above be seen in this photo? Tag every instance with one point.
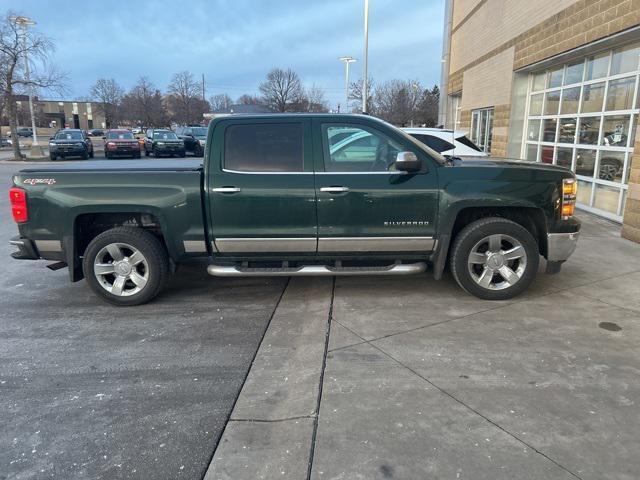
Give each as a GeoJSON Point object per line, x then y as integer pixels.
{"type": "Point", "coordinates": [300, 195]}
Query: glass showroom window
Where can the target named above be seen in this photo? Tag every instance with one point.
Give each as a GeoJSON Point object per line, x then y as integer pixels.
{"type": "Point", "coordinates": [482, 128]}
{"type": "Point", "coordinates": [583, 115]}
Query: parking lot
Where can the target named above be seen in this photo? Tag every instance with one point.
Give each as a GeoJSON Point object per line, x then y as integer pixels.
{"type": "Point", "coordinates": [90, 391]}
{"type": "Point", "coordinates": [416, 379]}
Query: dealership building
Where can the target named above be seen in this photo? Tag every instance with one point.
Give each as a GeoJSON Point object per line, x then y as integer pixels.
{"type": "Point", "coordinates": [552, 81]}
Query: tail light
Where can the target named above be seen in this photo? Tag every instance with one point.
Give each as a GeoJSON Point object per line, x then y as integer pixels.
{"type": "Point", "coordinates": [569, 192]}
{"type": "Point", "coordinates": [18, 198]}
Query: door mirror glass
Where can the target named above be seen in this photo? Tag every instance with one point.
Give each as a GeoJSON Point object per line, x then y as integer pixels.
{"type": "Point", "coordinates": [407, 162]}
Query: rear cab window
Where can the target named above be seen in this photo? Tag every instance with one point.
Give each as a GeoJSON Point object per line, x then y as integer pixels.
{"type": "Point", "coordinates": [264, 147]}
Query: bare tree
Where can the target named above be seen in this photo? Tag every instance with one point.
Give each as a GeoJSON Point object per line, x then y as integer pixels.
{"type": "Point", "coordinates": [315, 101]}
{"type": "Point", "coordinates": [185, 99]}
{"type": "Point", "coordinates": [15, 47]}
{"type": "Point", "coordinates": [108, 93]}
{"type": "Point", "coordinates": [220, 102]}
{"type": "Point", "coordinates": [355, 94]}
{"type": "Point", "coordinates": [144, 104]}
{"type": "Point", "coordinates": [396, 101]}
{"type": "Point", "coordinates": [282, 90]}
{"type": "Point", "coordinates": [249, 100]}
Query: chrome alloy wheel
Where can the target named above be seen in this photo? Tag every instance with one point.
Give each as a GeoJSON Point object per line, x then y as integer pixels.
{"type": "Point", "coordinates": [121, 269]}
{"type": "Point", "coordinates": [497, 262]}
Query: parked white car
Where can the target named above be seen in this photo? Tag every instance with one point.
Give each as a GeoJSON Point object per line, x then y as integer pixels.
{"type": "Point", "coordinates": [446, 142]}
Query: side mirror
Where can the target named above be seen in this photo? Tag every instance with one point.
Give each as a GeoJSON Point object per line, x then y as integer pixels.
{"type": "Point", "coordinates": [407, 162]}
{"type": "Point", "coordinates": [50, 138]}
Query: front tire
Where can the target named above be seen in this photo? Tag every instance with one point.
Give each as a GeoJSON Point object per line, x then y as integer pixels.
{"type": "Point", "coordinates": [494, 258]}
{"type": "Point", "coordinates": [126, 266]}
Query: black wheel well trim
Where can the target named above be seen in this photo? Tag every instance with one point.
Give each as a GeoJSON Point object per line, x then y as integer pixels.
{"type": "Point", "coordinates": [531, 218]}
{"type": "Point", "coordinates": [82, 233]}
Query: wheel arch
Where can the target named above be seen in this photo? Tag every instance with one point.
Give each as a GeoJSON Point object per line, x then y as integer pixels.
{"type": "Point", "coordinates": [531, 218]}
{"type": "Point", "coordinates": [87, 225]}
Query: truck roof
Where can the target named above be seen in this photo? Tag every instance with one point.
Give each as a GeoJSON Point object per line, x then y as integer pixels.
{"type": "Point", "coordinates": [110, 165]}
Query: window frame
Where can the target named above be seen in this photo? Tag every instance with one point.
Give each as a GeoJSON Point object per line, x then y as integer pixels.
{"type": "Point", "coordinates": [602, 115]}
{"type": "Point", "coordinates": [476, 127]}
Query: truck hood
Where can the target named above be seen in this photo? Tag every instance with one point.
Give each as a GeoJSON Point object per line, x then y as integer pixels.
{"type": "Point", "coordinates": [501, 162]}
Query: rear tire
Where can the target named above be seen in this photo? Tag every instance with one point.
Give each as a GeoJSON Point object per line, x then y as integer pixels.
{"type": "Point", "coordinates": [494, 258]}
{"type": "Point", "coordinates": [134, 273]}
{"type": "Point", "coordinates": [52, 157]}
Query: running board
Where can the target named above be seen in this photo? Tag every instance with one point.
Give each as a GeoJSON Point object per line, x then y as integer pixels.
{"type": "Point", "coordinates": [316, 270]}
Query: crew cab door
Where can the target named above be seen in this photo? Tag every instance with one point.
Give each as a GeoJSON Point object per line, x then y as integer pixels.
{"type": "Point", "coordinates": [364, 205]}
{"type": "Point", "coordinates": [260, 187]}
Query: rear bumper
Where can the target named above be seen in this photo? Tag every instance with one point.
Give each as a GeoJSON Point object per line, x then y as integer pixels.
{"type": "Point", "coordinates": [26, 249]}
{"type": "Point", "coordinates": [560, 246]}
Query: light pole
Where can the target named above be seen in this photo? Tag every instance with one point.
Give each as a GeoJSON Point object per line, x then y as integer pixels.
{"type": "Point", "coordinates": [24, 23]}
{"type": "Point", "coordinates": [365, 79]}
{"type": "Point", "coordinates": [347, 61]}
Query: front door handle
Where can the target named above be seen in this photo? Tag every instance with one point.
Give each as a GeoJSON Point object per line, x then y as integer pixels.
{"type": "Point", "coordinates": [334, 189]}
{"type": "Point", "coordinates": [226, 190]}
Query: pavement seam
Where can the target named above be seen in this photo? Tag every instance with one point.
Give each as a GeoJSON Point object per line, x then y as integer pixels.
{"type": "Point", "coordinates": [316, 418]}
{"type": "Point", "coordinates": [275, 308]}
{"type": "Point", "coordinates": [275, 420]}
{"type": "Point", "coordinates": [440, 389]}
{"type": "Point", "coordinates": [535, 297]}
{"type": "Point", "coordinates": [470, 408]}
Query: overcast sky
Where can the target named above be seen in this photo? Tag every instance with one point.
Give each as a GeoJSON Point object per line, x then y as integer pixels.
{"type": "Point", "coordinates": [235, 42]}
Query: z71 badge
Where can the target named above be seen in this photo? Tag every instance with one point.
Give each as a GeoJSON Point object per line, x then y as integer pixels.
{"type": "Point", "coordinates": [39, 181]}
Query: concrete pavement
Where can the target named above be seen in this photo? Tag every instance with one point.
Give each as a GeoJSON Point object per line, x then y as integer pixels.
{"type": "Point", "coordinates": [421, 380]}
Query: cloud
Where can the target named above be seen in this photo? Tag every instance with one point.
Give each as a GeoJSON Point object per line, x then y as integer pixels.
{"type": "Point", "coordinates": [235, 42]}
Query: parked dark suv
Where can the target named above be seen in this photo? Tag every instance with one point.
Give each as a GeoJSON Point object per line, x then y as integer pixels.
{"type": "Point", "coordinates": [194, 138]}
{"type": "Point", "coordinates": [162, 142]}
{"type": "Point", "coordinates": [70, 143]}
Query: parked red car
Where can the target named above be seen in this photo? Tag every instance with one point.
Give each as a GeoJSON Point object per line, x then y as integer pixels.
{"type": "Point", "coordinates": [121, 143]}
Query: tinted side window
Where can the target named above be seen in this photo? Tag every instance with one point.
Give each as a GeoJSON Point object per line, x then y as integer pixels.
{"type": "Point", "coordinates": [267, 147]}
{"type": "Point", "coordinates": [438, 144]}
{"type": "Point", "coordinates": [351, 148]}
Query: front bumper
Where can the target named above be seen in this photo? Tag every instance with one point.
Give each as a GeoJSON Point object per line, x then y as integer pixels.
{"type": "Point", "coordinates": [26, 249]}
{"type": "Point", "coordinates": [560, 246]}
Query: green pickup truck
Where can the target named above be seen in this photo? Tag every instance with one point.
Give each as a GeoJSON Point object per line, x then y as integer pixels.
{"type": "Point", "coordinates": [298, 195]}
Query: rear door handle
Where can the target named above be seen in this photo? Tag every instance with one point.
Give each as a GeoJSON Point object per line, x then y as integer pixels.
{"type": "Point", "coordinates": [334, 189]}
{"type": "Point", "coordinates": [226, 190]}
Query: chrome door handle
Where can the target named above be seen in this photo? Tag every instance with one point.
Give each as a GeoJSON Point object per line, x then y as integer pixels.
{"type": "Point", "coordinates": [226, 190]}
{"type": "Point", "coordinates": [334, 189]}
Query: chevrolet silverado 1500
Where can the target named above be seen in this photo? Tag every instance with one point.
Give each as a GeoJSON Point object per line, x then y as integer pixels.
{"type": "Point", "coordinates": [298, 195]}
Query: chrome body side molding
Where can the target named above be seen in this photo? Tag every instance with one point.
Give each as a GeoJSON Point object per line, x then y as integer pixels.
{"type": "Point", "coordinates": [376, 244]}
{"type": "Point", "coordinates": [263, 245]}
{"type": "Point", "coordinates": [194, 246]}
{"type": "Point", "coordinates": [48, 245]}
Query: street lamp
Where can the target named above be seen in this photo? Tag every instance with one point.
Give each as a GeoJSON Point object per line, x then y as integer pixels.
{"type": "Point", "coordinates": [347, 61]}
{"type": "Point", "coordinates": [365, 79]}
{"type": "Point", "coordinates": [23, 23]}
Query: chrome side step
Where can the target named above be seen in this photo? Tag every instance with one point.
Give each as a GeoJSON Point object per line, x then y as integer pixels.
{"type": "Point", "coordinates": [316, 270]}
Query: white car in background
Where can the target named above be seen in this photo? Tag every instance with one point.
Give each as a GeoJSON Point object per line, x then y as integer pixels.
{"type": "Point", "coordinates": [446, 142]}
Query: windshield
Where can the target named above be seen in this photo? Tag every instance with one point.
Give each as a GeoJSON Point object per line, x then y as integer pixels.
{"type": "Point", "coordinates": [164, 135]}
{"type": "Point", "coordinates": [120, 135]}
{"type": "Point", "coordinates": [68, 136]}
{"type": "Point", "coordinates": [199, 131]}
